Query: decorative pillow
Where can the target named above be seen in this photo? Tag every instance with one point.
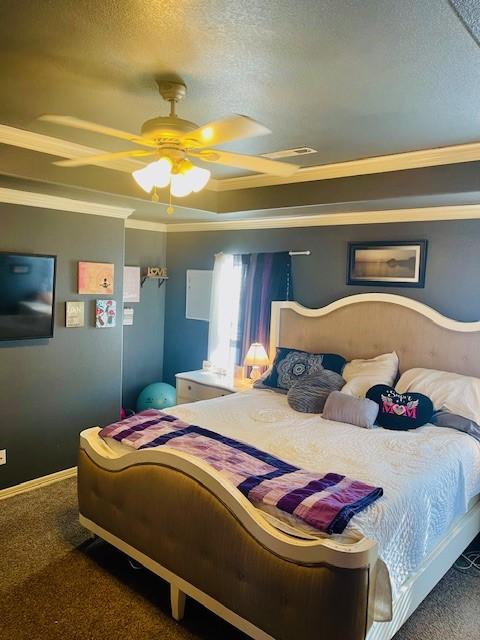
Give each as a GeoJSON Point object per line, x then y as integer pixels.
{"type": "Point", "coordinates": [360, 375]}
{"type": "Point", "coordinates": [361, 412]}
{"type": "Point", "coordinates": [400, 411]}
{"type": "Point", "coordinates": [291, 365]}
{"type": "Point", "coordinates": [259, 384]}
{"type": "Point", "coordinates": [451, 420]}
{"type": "Point", "coordinates": [310, 394]}
{"type": "Point", "coordinates": [449, 391]}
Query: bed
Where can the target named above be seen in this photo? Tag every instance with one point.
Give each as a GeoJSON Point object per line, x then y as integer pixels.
{"type": "Point", "coordinates": [176, 516]}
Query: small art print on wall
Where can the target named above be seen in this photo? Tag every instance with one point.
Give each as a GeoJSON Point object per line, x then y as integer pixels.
{"type": "Point", "coordinates": [387, 264]}
{"type": "Point", "coordinates": [131, 284]}
{"type": "Point", "coordinates": [95, 277]}
{"type": "Point", "coordinates": [74, 314]}
{"type": "Point", "coordinates": [105, 314]}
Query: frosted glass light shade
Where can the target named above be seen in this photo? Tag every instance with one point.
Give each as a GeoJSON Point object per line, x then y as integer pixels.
{"type": "Point", "coordinates": [256, 356]}
{"type": "Point", "coordinates": [163, 172]}
{"type": "Point", "coordinates": [180, 185]}
{"type": "Point", "coordinates": [145, 178]}
{"type": "Point", "coordinates": [159, 174]}
{"type": "Point", "coordinates": [198, 178]}
{"type": "Point", "coordinates": [155, 174]}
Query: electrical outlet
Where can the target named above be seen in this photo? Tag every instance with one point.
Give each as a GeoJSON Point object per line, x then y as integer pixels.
{"type": "Point", "coordinates": [3, 456]}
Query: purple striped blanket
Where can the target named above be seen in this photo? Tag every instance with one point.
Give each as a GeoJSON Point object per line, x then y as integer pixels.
{"type": "Point", "coordinates": [326, 502]}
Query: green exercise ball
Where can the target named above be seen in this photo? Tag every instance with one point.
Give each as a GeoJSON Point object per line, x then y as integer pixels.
{"type": "Point", "coordinates": [158, 395]}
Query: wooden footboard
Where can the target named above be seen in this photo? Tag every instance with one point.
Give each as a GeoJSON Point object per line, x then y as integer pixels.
{"type": "Point", "coordinates": [171, 513]}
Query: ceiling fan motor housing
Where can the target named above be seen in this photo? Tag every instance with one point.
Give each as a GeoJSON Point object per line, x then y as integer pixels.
{"type": "Point", "coordinates": [165, 128]}
{"type": "Point", "coordinates": [168, 128]}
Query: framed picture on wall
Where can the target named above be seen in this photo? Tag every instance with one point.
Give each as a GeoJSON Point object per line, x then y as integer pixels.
{"type": "Point", "coordinates": [95, 277]}
{"type": "Point", "coordinates": [105, 314]}
{"type": "Point", "coordinates": [387, 264]}
{"type": "Point", "coordinates": [74, 313]}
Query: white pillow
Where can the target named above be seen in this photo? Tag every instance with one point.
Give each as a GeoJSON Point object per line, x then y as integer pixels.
{"type": "Point", "coordinates": [360, 375]}
{"type": "Point", "coordinates": [448, 391]}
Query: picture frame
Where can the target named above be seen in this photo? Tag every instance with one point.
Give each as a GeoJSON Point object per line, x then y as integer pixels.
{"type": "Point", "coordinates": [74, 314]}
{"type": "Point", "coordinates": [105, 314]}
{"type": "Point", "coordinates": [131, 284]}
{"type": "Point", "coordinates": [387, 264]}
{"type": "Point", "coordinates": [96, 278]}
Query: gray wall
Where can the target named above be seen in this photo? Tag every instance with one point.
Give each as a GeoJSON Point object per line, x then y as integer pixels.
{"type": "Point", "coordinates": [143, 341]}
{"type": "Point", "coordinates": [52, 389]}
{"type": "Point", "coordinates": [452, 278]}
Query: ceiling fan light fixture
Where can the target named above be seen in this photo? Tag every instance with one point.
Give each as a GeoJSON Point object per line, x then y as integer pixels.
{"type": "Point", "coordinates": [155, 174]}
{"type": "Point", "coordinates": [145, 177]}
{"type": "Point", "coordinates": [180, 185]}
{"type": "Point", "coordinates": [163, 172]}
{"type": "Point", "coordinates": [207, 134]}
{"type": "Point", "coordinates": [198, 178]}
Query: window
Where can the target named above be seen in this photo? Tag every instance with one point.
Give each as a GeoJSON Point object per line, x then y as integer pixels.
{"type": "Point", "coordinates": [243, 288]}
{"type": "Point", "coordinates": [224, 340]}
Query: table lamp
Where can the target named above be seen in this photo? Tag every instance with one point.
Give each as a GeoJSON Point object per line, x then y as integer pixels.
{"type": "Point", "coordinates": [256, 358]}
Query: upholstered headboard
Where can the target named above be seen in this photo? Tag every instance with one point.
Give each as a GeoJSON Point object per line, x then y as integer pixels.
{"type": "Point", "coordinates": [366, 325]}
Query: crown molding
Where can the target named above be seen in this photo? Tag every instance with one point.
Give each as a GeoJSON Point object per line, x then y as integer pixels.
{"type": "Point", "coordinates": [423, 214]}
{"type": "Point", "coordinates": [453, 154]}
{"type": "Point", "coordinates": [378, 164]}
{"type": "Point", "coordinates": [388, 216]}
{"type": "Point", "coordinates": [145, 225]}
{"type": "Point", "coordinates": [46, 201]}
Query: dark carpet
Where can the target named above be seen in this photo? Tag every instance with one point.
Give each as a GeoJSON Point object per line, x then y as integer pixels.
{"type": "Point", "coordinates": [57, 585]}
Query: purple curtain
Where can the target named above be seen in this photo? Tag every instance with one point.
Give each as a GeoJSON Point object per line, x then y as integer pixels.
{"type": "Point", "coordinates": [266, 277]}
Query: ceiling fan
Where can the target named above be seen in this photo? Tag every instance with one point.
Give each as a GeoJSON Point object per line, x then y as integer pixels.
{"type": "Point", "coordinates": [174, 142]}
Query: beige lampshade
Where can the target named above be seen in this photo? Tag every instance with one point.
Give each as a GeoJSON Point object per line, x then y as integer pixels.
{"type": "Point", "coordinates": [256, 356]}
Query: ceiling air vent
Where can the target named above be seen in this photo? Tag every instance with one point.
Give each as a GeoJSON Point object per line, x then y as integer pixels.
{"type": "Point", "coordinates": [289, 153]}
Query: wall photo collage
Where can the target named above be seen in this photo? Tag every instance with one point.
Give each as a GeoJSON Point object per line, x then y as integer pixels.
{"type": "Point", "coordinates": [94, 278]}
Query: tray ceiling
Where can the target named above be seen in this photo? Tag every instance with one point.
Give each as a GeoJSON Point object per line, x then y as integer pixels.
{"type": "Point", "coordinates": [351, 79]}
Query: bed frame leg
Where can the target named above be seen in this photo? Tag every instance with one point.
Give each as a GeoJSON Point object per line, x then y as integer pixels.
{"type": "Point", "coordinates": [177, 602]}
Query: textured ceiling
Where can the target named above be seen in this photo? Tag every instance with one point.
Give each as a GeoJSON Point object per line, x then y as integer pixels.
{"type": "Point", "coordinates": [351, 78]}
{"type": "Point", "coordinates": [469, 13]}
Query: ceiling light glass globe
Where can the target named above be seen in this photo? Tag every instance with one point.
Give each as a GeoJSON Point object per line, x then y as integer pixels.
{"type": "Point", "coordinates": [145, 177]}
{"type": "Point", "coordinates": [155, 174]}
{"type": "Point", "coordinates": [180, 185]}
{"type": "Point", "coordinates": [162, 170]}
{"type": "Point", "coordinates": [198, 178]}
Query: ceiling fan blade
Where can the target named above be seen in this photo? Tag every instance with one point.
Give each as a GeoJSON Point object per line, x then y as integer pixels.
{"type": "Point", "coordinates": [226, 130]}
{"type": "Point", "coordinates": [251, 163]}
{"type": "Point", "coordinates": [103, 157]}
{"type": "Point", "coordinates": [76, 123]}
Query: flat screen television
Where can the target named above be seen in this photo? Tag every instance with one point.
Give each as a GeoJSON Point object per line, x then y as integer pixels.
{"type": "Point", "coordinates": [27, 296]}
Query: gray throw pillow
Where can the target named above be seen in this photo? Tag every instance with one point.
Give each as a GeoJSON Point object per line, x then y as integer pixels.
{"type": "Point", "coordinates": [341, 407]}
{"type": "Point", "coordinates": [453, 421]}
{"type": "Point", "coordinates": [309, 394]}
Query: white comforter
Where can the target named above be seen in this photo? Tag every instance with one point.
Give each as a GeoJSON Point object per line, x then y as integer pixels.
{"type": "Point", "coordinates": [428, 475]}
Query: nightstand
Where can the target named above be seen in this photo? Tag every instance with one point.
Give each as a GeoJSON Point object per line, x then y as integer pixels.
{"type": "Point", "coordinates": [203, 385]}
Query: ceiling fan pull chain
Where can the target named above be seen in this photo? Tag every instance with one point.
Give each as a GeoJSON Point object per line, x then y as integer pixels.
{"type": "Point", "coordinates": [170, 208]}
{"type": "Point", "coordinates": [155, 196]}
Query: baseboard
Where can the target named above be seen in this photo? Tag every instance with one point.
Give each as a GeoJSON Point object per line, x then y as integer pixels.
{"type": "Point", "coordinates": [36, 483]}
